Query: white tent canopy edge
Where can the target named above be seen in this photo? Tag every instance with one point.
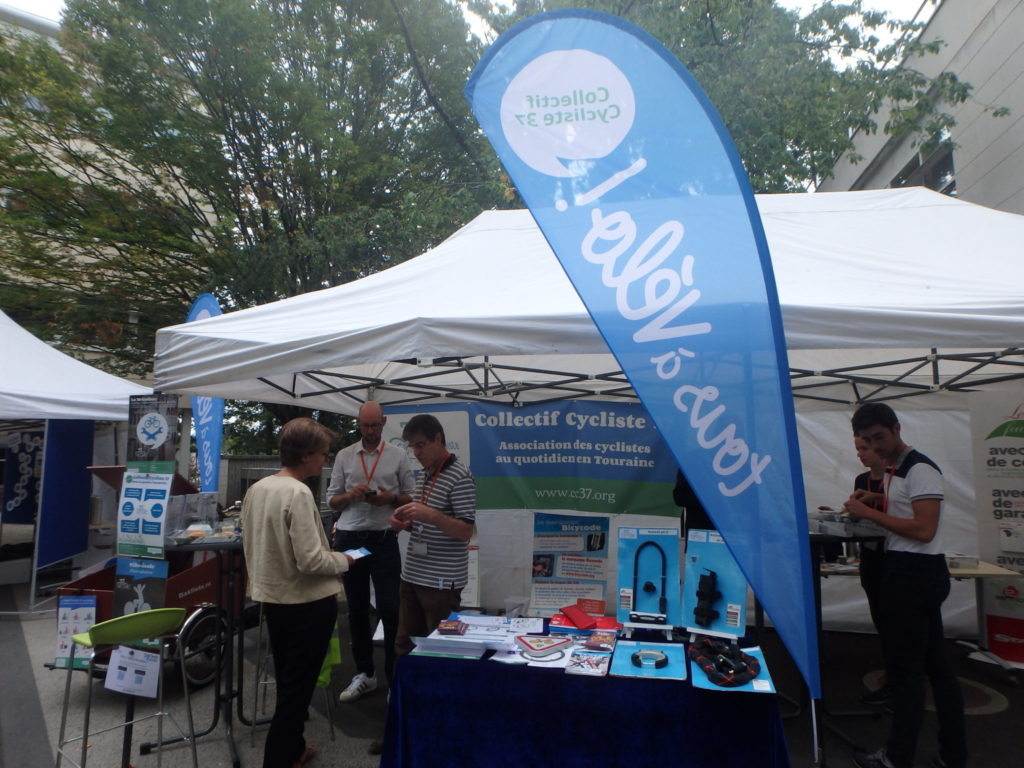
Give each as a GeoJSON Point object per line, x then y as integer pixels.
{"type": "Point", "coordinates": [40, 382]}
{"type": "Point", "coordinates": [858, 273]}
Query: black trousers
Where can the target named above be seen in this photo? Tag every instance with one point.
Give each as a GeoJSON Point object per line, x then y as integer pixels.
{"type": "Point", "coordinates": [384, 568]}
{"type": "Point", "coordinates": [913, 589]}
{"type": "Point", "coordinates": [299, 637]}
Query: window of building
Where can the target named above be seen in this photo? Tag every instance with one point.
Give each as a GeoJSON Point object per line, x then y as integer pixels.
{"type": "Point", "coordinates": [936, 171]}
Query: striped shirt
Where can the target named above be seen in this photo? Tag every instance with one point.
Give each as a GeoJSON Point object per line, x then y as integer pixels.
{"type": "Point", "coordinates": [434, 559]}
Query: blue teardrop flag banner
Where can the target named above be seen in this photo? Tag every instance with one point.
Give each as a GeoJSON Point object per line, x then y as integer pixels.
{"type": "Point", "coordinates": [207, 412]}
{"type": "Point", "coordinates": [635, 183]}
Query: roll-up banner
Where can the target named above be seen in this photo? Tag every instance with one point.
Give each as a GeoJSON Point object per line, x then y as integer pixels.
{"type": "Point", "coordinates": [636, 185]}
{"type": "Point", "coordinates": [207, 412]}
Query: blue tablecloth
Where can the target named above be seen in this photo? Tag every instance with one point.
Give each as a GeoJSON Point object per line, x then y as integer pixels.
{"type": "Point", "coordinates": [454, 712]}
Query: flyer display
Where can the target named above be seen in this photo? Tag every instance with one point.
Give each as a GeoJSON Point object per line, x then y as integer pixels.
{"type": "Point", "coordinates": [75, 614]}
{"type": "Point", "coordinates": [570, 561]}
{"type": "Point", "coordinates": [649, 577]}
{"type": "Point", "coordinates": [133, 671]}
{"type": "Point", "coordinates": [142, 513]}
{"type": "Point", "coordinates": [714, 590]}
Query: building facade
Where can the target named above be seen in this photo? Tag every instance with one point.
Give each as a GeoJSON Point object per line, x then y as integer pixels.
{"type": "Point", "coordinates": [984, 160]}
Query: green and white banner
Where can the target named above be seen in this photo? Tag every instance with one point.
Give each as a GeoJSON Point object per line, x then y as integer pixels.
{"type": "Point", "coordinates": [577, 456]}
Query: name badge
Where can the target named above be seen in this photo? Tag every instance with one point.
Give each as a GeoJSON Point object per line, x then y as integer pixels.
{"type": "Point", "coordinates": [418, 547]}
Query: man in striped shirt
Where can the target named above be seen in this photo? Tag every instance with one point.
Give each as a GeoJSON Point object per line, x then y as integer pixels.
{"type": "Point", "coordinates": [440, 521]}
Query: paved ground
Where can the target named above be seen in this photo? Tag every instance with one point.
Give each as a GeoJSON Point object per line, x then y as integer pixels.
{"type": "Point", "coordinates": [31, 696]}
{"type": "Point", "coordinates": [30, 699]}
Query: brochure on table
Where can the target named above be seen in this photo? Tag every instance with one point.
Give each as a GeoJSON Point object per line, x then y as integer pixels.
{"type": "Point", "coordinates": [661, 661]}
{"type": "Point", "coordinates": [570, 561]}
{"type": "Point", "coordinates": [149, 472]}
{"type": "Point", "coordinates": [648, 577]}
{"type": "Point", "coordinates": [720, 608]}
{"type": "Point", "coordinates": [75, 615]}
{"type": "Point", "coordinates": [481, 634]}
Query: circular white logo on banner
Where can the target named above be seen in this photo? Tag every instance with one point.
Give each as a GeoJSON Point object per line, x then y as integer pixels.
{"type": "Point", "coordinates": [565, 106]}
{"type": "Point", "coordinates": [152, 429]}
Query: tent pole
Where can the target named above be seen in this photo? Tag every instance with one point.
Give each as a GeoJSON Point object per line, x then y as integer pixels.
{"type": "Point", "coordinates": [816, 750]}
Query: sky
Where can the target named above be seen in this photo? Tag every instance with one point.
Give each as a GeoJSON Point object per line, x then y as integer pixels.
{"type": "Point", "coordinates": [901, 9]}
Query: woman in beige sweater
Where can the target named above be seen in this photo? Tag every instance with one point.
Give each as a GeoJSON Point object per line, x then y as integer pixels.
{"type": "Point", "coordinates": [295, 574]}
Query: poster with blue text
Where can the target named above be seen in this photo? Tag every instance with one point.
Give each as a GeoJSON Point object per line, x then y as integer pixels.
{"type": "Point", "coordinates": [635, 183]}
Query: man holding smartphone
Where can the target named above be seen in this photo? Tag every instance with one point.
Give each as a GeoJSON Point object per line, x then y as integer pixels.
{"type": "Point", "coordinates": [370, 479]}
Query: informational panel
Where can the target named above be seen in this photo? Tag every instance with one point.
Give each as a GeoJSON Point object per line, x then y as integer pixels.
{"type": "Point", "coordinates": [149, 471]}
{"type": "Point", "coordinates": [23, 467]}
{"type": "Point", "coordinates": [63, 526]}
{"type": "Point", "coordinates": [570, 561]}
{"type": "Point", "coordinates": [997, 434]}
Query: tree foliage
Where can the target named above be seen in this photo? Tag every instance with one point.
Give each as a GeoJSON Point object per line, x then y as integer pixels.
{"type": "Point", "coordinates": [792, 91]}
{"type": "Point", "coordinates": [255, 150]}
{"type": "Point", "coordinates": [258, 149]}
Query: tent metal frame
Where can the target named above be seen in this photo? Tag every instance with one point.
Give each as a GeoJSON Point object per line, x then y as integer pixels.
{"type": "Point", "coordinates": [499, 383]}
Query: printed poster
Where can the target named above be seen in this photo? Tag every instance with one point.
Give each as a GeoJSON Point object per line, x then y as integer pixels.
{"type": "Point", "coordinates": [570, 561]}
{"type": "Point", "coordinates": [149, 472]}
{"type": "Point", "coordinates": [75, 615]}
{"type": "Point", "coordinates": [23, 466]}
{"type": "Point", "coordinates": [997, 433]}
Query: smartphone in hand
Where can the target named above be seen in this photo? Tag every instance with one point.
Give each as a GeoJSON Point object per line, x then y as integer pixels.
{"type": "Point", "coordinates": [355, 554]}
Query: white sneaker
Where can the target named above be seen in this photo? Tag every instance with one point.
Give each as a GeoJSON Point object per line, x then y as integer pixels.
{"type": "Point", "coordinates": [361, 684]}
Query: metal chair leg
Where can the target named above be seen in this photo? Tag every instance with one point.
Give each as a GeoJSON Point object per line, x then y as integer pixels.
{"type": "Point", "coordinates": [179, 649]}
{"type": "Point", "coordinates": [64, 708]}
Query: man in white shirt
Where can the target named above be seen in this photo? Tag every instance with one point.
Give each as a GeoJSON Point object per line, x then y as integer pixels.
{"type": "Point", "coordinates": [914, 583]}
{"type": "Point", "coordinates": [370, 479]}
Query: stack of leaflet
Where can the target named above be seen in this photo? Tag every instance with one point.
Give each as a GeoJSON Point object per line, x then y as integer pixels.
{"type": "Point", "coordinates": [482, 634]}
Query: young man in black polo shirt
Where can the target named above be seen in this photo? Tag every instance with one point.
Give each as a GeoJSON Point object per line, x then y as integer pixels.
{"type": "Point", "coordinates": [915, 582]}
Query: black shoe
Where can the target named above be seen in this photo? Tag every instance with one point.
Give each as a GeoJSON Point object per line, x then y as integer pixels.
{"type": "Point", "coordinates": [376, 746]}
{"type": "Point", "coordinates": [872, 759]}
{"type": "Point", "coordinates": [878, 697]}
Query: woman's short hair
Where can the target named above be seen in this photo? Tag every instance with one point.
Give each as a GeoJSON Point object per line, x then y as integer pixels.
{"type": "Point", "coordinates": [301, 437]}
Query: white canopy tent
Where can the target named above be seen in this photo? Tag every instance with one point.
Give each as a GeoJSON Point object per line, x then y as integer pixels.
{"type": "Point", "coordinates": [39, 382]}
{"type": "Point", "coordinates": [880, 275]}
{"type": "Point", "coordinates": [884, 293]}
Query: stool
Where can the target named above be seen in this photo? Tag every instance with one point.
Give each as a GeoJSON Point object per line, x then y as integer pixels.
{"type": "Point", "coordinates": [131, 629]}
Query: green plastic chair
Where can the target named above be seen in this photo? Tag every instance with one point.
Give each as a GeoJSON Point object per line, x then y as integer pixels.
{"type": "Point", "coordinates": [132, 630]}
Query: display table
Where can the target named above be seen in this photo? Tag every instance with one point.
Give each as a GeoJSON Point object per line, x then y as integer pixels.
{"type": "Point", "coordinates": [978, 573]}
{"type": "Point", "coordinates": [446, 712]}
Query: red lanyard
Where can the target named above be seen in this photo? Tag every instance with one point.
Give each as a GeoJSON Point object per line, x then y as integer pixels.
{"type": "Point", "coordinates": [890, 471]}
{"type": "Point", "coordinates": [426, 492]}
{"type": "Point", "coordinates": [369, 475]}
